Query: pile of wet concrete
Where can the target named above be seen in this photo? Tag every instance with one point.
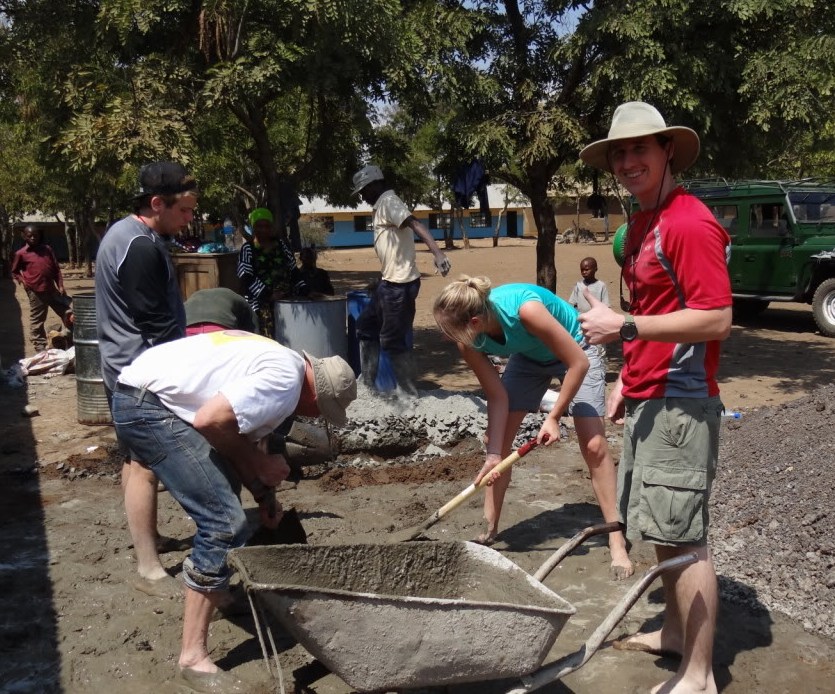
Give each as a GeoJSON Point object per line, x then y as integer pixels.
{"type": "Point", "coordinates": [773, 505]}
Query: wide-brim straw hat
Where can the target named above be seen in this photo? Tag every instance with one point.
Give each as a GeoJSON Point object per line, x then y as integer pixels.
{"type": "Point", "coordinates": [638, 119]}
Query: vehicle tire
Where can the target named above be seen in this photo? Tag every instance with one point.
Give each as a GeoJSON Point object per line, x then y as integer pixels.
{"type": "Point", "coordinates": [823, 307]}
{"type": "Point", "coordinates": [746, 309]}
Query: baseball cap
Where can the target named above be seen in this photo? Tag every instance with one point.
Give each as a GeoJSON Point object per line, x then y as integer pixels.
{"type": "Point", "coordinates": [366, 175]}
{"type": "Point", "coordinates": [336, 387]}
{"type": "Point", "coordinates": [164, 178]}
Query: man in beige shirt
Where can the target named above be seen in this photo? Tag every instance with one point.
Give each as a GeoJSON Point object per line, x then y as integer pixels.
{"type": "Point", "coordinates": [387, 319]}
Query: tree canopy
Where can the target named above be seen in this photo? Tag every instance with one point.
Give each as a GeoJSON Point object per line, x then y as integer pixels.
{"type": "Point", "coordinates": [261, 96]}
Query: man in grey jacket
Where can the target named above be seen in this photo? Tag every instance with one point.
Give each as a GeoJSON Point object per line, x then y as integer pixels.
{"type": "Point", "coordinates": [138, 305]}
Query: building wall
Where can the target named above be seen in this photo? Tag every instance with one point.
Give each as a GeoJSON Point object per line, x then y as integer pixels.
{"type": "Point", "coordinates": [345, 225]}
{"type": "Point", "coordinates": [566, 214]}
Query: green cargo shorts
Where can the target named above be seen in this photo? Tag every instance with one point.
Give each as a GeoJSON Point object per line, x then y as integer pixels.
{"type": "Point", "coordinates": [670, 451]}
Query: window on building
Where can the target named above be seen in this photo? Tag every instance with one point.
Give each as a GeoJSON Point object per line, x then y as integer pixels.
{"type": "Point", "coordinates": [327, 222]}
{"type": "Point", "coordinates": [478, 220]}
{"type": "Point", "coordinates": [440, 221]}
{"type": "Point", "coordinates": [362, 222]}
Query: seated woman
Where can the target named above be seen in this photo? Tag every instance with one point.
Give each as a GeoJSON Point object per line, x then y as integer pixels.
{"type": "Point", "coordinates": [541, 334]}
{"type": "Point", "coordinates": [267, 269]}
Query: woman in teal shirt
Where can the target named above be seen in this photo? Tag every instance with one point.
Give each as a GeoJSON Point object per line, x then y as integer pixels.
{"type": "Point", "coordinates": [541, 334]}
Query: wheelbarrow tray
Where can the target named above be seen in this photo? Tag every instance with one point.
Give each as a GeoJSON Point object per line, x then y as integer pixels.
{"type": "Point", "coordinates": [407, 615]}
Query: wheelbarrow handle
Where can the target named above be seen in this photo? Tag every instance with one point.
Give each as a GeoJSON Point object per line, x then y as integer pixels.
{"type": "Point", "coordinates": [565, 666]}
{"type": "Point", "coordinates": [572, 544]}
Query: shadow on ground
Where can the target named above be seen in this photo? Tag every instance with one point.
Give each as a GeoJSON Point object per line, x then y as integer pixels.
{"type": "Point", "coordinates": [29, 657]}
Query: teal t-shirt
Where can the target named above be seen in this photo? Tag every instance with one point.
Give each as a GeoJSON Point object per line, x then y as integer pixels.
{"type": "Point", "coordinates": [505, 301]}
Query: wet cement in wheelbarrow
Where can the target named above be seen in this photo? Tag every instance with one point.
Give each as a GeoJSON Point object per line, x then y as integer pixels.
{"type": "Point", "coordinates": [451, 571]}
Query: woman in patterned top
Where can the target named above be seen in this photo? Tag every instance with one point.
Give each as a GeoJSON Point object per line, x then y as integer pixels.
{"type": "Point", "coordinates": [267, 269]}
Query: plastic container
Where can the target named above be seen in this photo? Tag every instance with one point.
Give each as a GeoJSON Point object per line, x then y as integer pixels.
{"type": "Point", "coordinates": [548, 400]}
{"type": "Point", "coordinates": [731, 415]}
{"type": "Point", "coordinates": [229, 235]}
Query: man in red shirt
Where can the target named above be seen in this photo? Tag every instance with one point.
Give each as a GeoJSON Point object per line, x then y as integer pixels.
{"type": "Point", "coordinates": [35, 267]}
{"type": "Point", "coordinates": [678, 311]}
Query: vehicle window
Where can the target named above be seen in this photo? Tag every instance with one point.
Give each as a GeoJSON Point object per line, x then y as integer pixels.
{"type": "Point", "coordinates": [812, 207]}
{"type": "Point", "coordinates": [727, 216]}
{"type": "Point", "coordinates": [768, 221]}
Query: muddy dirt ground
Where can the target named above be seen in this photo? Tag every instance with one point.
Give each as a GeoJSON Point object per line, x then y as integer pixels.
{"type": "Point", "coordinates": [72, 622]}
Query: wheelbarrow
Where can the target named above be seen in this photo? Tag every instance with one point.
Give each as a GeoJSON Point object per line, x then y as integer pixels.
{"type": "Point", "coordinates": [418, 614]}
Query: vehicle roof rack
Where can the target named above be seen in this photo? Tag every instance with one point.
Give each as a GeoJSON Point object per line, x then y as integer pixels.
{"type": "Point", "coordinates": [718, 187]}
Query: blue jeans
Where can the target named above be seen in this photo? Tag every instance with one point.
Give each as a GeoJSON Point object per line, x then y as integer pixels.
{"type": "Point", "coordinates": [201, 481]}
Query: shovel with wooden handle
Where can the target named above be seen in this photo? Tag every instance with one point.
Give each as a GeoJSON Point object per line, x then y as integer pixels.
{"type": "Point", "coordinates": [413, 533]}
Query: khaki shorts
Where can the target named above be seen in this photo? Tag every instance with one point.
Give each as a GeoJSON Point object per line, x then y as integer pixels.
{"type": "Point", "coordinates": [670, 451]}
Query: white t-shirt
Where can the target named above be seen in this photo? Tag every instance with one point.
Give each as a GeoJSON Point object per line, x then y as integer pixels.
{"type": "Point", "coordinates": [597, 289]}
{"type": "Point", "coordinates": [261, 379]}
{"type": "Point", "coordinates": [395, 247]}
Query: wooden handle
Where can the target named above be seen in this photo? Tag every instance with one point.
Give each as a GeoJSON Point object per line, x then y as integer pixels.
{"type": "Point", "coordinates": [500, 468]}
{"type": "Point", "coordinates": [507, 462]}
{"type": "Point", "coordinates": [467, 493]}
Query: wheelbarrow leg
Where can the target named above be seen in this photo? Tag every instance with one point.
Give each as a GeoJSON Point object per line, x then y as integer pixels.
{"type": "Point", "coordinates": [565, 666]}
{"type": "Point", "coordinates": [273, 666]}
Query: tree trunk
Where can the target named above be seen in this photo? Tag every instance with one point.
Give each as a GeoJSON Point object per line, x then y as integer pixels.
{"type": "Point", "coordinates": [72, 249]}
{"type": "Point", "coordinates": [498, 226]}
{"type": "Point", "coordinates": [6, 240]}
{"type": "Point", "coordinates": [546, 227]}
{"type": "Point", "coordinates": [253, 120]}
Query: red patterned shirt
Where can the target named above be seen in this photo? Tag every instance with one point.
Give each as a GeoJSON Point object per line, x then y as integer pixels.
{"type": "Point", "coordinates": [675, 258]}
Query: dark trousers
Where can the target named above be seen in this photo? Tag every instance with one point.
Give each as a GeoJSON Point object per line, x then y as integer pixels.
{"type": "Point", "coordinates": [389, 315]}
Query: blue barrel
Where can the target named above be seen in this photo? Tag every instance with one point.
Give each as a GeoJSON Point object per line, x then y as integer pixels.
{"type": "Point", "coordinates": [357, 301]}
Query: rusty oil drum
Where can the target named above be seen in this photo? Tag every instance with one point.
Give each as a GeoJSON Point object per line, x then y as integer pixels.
{"type": "Point", "coordinates": [90, 393]}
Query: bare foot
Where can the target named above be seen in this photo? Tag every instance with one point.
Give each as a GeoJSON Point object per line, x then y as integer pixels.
{"type": "Point", "coordinates": [166, 587]}
{"type": "Point", "coordinates": [486, 538]}
{"type": "Point", "coordinates": [621, 566]}
{"type": "Point", "coordinates": [652, 643]}
{"type": "Point", "coordinates": [682, 685]}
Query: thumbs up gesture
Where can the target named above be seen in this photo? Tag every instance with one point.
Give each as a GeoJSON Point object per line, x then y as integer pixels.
{"type": "Point", "coordinates": [600, 324]}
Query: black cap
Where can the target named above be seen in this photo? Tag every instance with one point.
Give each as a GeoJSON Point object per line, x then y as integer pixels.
{"type": "Point", "coordinates": [164, 178]}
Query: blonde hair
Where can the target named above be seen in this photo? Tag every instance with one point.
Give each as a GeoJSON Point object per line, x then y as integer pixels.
{"type": "Point", "coordinates": [459, 302]}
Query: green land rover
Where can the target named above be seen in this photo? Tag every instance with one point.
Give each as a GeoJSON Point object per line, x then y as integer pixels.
{"type": "Point", "coordinates": [782, 242]}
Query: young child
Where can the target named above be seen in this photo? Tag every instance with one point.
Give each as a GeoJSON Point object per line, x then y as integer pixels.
{"type": "Point", "coordinates": [596, 287]}
{"type": "Point", "coordinates": [36, 268]}
{"type": "Point", "coordinates": [318, 280]}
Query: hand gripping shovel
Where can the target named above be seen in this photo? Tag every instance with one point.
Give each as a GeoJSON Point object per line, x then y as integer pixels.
{"type": "Point", "coordinates": [413, 533]}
